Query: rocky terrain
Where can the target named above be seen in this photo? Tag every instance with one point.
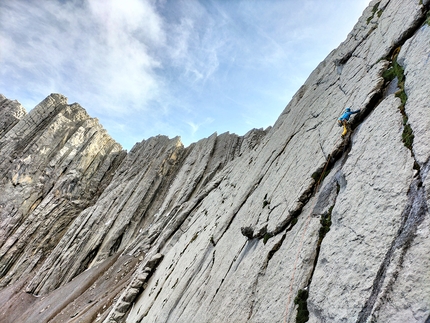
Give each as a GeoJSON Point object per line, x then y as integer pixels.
{"type": "Point", "coordinates": [289, 224]}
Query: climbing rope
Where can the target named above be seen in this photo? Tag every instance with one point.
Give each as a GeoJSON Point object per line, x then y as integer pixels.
{"type": "Point", "coordinates": [304, 232]}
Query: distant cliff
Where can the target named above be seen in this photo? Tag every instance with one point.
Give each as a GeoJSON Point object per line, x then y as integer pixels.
{"type": "Point", "coordinates": [288, 224]}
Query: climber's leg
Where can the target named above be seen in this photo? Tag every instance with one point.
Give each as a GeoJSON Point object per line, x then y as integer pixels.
{"type": "Point", "coordinates": [345, 129]}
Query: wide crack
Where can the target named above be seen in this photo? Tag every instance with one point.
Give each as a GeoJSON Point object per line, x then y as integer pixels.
{"type": "Point", "coordinates": [415, 209]}
{"type": "Point", "coordinates": [412, 216]}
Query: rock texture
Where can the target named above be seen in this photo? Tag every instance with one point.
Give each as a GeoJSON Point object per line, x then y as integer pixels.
{"type": "Point", "coordinates": [10, 113]}
{"type": "Point", "coordinates": [288, 224]}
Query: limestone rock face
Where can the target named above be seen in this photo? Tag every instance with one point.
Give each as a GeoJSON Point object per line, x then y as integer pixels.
{"type": "Point", "coordinates": [288, 224]}
{"type": "Point", "coordinates": [55, 162]}
{"type": "Point", "coordinates": [10, 113]}
{"type": "Point", "coordinates": [366, 217]}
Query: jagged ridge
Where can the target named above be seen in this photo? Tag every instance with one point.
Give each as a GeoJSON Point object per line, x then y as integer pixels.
{"type": "Point", "coordinates": [156, 235]}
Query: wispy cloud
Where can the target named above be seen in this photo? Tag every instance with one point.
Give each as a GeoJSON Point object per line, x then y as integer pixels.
{"type": "Point", "coordinates": [196, 126]}
{"type": "Point", "coordinates": [95, 50]}
{"type": "Point", "coordinates": [193, 43]}
{"type": "Point", "coordinates": [146, 67]}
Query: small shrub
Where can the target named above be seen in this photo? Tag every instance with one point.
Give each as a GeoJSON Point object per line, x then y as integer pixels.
{"type": "Point", "coordinates": [302, 310]}
{"type": "Point", "coordinates": [374, 10]}
{"type": "Point", "coordinates": [408, 136]}
{"type": "Point", "coordinates": [294, 221]}
{"type": "Point", "coordinates": [402, 96]}
{"type": "Point", "coordinates": [389, 74]}
{"type": "Point", "coordinates": [266, 237]}
{"type": "Point", "coordinates": [265, 201]}
{"type": "Point", "coordinates": [315, 176]}
{"type": "Point", "coordinates": [396, 70]}
{"type": "Point", "coordinates": [399, 72]}
{"type": "Point", "coordinates": [325, 224]}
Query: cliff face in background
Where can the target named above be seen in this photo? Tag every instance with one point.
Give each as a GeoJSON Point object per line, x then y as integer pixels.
{"type": "Point", "coordinates": [256, 228]}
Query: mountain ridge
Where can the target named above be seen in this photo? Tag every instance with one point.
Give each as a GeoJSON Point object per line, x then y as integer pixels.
{"type": "Point", "coordinates": [292, 223]}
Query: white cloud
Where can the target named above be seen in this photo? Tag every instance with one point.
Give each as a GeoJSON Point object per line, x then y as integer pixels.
{"type": "Point", "coordinates": [98, 51]}
{"type": "Point", "coordinates": [144, 66]}
{"type": "Point", "coordinates": [193, 47]}
{"type": "Point", "coordinates": [196, 126]}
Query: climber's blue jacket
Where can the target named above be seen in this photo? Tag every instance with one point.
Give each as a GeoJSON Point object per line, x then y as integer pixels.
{"type": "Point", "coordinates": [347, 114]}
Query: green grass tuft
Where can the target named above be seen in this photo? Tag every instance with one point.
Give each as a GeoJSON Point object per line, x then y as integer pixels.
{"type": "Point", "coordinates": [325, 224]}
{"type": "Point", "coordinates": [396, 70]}
{"type": "Point", "coordinates": [302, 310]}
{"type": "Point", "coordinates": [375, 7]}
{"type": "Point", "coordinates": [389, 75]}
{"type": "Point", "coordinates": [266, 237]}
{"type": "Point", "coordinates": [402, 96]}
{"type": "Point", "coordinates": [408, 136]}
{"type": "Point", "coordinates": [294, 221]}
{"type": "Point", "coordinates": [374, 10]}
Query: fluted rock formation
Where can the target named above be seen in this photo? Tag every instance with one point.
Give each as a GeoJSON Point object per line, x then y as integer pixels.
{"type": "Point", "coordinates": [290, 224]}
{"type": "Point", "coordinates": [55, 162]}
{"type": "Point", "coordinates": [10, 113]}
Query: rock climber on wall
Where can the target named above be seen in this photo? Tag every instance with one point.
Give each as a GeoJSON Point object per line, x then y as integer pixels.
{"type": "Point", "coordinates": [343, 120]}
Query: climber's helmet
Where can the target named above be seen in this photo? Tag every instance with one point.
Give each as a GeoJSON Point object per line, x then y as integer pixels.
{"type": "Point", "coordinates": [347, 109]}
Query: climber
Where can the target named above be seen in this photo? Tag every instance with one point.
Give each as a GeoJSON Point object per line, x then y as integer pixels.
{"type": "Point", "coordinates": [343, 120]}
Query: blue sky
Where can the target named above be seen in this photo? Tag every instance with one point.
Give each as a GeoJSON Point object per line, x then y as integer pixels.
{"type": "Point", "coordinates": [182, 67]}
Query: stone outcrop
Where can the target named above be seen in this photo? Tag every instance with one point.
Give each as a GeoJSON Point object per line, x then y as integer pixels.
{"type": "Point", "coordinates": [10, 113]}
{"type": "Point", "coordinates": [288, 224]}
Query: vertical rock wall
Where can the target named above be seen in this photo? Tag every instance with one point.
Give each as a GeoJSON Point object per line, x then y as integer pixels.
{"type": "Point", "coordinates": [10, 113]}
{"type": "Point", "coordinates": [291, 224]}
{"type": "Point", "coordinates": [368, 197]}
{"type": "Point", "coordinates": [54, 163]}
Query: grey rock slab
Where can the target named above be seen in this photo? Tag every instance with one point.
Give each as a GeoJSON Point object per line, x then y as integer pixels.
{"type": "Point", "coordinates": [97, 231]}
{"type": "Point", "coordinates": [373, 39]}
{"type": "Point", "coordinates": [275, 177]}
{"type": "Point", "coordinates": [415, 58]}
{"type": "Point", "coordinates": [407, 286]}
{"type": "Point", "coordinates": [292, 164]}
{"type": "Point", "coordinates": [288, 270]}
{"type": "Point", "coordinates": [62, 162]}
{"type": "Point", "coordinates": [365, 219]}
{"type": "Point", "coordinates": [153, 185]}
{"type": "Point", "coordinates": [405, 298]}
{"type": "Point", "coordinates": [240, 284]}
{"type": "Point", "coordinates": [10, 113]}
{"type": "Point", "coordinates": [74, 203]}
